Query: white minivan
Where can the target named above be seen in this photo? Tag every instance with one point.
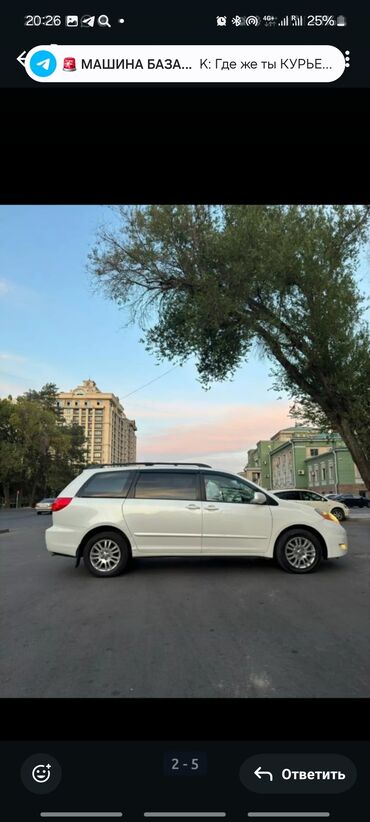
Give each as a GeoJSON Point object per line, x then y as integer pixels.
{"type": "Point", "coordinates": [109, 514]}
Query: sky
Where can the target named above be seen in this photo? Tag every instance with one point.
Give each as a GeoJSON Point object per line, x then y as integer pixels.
{"type": "Point", "coordinates": [55, 328]}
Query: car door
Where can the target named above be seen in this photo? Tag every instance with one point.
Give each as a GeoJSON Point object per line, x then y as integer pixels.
{"type": "Point", "coordinates": [163, 512]}
{"type": "Point", "coordinates": [232, 523]}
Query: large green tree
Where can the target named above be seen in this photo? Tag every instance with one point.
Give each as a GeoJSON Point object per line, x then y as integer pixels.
{"type": "Point", "coordinates": [213, 281]}
{"type": "Point", "coordinates": [11, 450]}
{"type": "Point", "coordinates": [65, 456]}
{"type": "Point", "coordinates": [68, 460]}
{"type": "Point", "coordinates": [39, 454]}
{"type": "Point", "coordinates": [47, 397]}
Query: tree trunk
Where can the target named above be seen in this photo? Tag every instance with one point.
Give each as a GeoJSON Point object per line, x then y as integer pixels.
{"type": "Point", "coordinates": [6, 488]}
{"type": "Point", "coordinates": [33, 493]}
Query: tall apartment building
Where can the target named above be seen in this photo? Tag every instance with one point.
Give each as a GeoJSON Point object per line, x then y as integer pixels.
{"type": "Point", "coordinates": [110, 434]}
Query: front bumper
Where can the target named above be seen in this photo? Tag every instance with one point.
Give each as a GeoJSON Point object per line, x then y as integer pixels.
{"type": "Point", "coordinates": [336, 540]}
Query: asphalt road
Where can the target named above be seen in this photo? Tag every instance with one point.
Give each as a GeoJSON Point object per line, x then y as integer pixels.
{"type": "Point", "coordinates": [184, 627]}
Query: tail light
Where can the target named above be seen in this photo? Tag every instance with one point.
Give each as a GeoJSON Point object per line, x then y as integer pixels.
{"type": "Point", "coordinates": [61, 502]}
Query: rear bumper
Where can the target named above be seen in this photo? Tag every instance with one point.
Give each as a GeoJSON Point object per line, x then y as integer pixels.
{"type": "Point", "coordinates": [61, 540]}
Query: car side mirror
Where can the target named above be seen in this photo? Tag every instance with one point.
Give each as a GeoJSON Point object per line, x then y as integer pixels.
{"type": "Point", "coordinates": [259, 498]}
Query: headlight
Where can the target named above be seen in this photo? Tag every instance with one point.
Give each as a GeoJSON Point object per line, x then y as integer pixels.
{"type": "Point", "coordinates": [327, 515]}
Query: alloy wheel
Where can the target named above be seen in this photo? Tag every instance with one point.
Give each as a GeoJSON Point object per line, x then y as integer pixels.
{"type": "Point", "coordinates": [105, 555]}
{"type": "Point", "coordinates": [300, 552]}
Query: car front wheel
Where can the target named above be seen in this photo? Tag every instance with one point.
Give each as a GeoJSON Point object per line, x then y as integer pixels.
{"type": "Point", "coordinates": [298, 551]}
{"type": "Point", "coordinates": [106, 554]}
{"type": "Point", "coordinates": [338, 513]}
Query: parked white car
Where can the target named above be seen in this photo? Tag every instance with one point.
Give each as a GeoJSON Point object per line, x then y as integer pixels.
{"type": "Point", "coordinates": [112, 513]}
{"type": "Point", "coordinates": [44, 506]}
{"type": "Point", "coordinates": [315, 500]}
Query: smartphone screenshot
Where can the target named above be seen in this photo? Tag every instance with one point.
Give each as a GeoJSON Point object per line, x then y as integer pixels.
{"type": "Point", "coordinates": [184, 411]}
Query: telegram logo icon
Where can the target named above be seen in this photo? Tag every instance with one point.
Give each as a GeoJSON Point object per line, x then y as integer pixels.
{"type": "Point", "coordinates": [43, 63]}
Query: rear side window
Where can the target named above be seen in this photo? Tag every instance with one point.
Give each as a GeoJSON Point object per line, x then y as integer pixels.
{"type": "Point", "coordinates": [107, 484]}
{"type": "Point", "coordinates": [167, 485]}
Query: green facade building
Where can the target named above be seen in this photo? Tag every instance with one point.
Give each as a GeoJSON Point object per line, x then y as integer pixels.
{"type": "Point", "coordinates": [334, 472]}
{"type": "Point", "coordinates": [303, 457]}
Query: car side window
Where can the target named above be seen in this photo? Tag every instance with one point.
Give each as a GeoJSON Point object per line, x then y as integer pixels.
{"type": "Point", "coordinates": [310, 496]}
{"type": "Point", "coordinates": [171, 485]}
{"type": "Point", "coordinates": [288, 495]}
{"type": "Point", "coordinates": [107, 484]}
{"type": "Point", "coordinates": [221, 488]}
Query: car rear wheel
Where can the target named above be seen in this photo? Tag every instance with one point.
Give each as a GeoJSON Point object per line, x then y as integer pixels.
{"type": "Point", "coordinates": [106, 554]}
{"type": "Point", "coordinates": [338, 513]}
{"type": "Point", "coordinates": [298, 551]}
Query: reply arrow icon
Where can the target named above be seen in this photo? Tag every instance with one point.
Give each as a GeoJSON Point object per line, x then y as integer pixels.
{"type": "Point", "coordinates": [260, 773]}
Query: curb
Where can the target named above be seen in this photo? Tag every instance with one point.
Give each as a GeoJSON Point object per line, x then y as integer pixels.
{"type": "Point", "coordinates": [4, 530]}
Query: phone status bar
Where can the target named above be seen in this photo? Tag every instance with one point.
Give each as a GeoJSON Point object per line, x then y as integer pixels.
{"type": "Point", "coordinates": [270, 21]}
{"type": "Point", "coordinates": [251, 21]}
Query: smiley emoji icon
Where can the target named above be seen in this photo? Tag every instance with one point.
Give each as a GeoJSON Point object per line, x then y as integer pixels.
{"type": "Point", "coordinates": [41, 773]}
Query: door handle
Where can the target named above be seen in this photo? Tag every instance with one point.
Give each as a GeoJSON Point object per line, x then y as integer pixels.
{"type": "Point", "coordinates": [211, 508]}
{"type": "Point", "coordinates": [193, 507]}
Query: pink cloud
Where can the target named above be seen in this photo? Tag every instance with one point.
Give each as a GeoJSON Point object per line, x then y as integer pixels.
{"type": "Point", "coordinates": [227, 429]}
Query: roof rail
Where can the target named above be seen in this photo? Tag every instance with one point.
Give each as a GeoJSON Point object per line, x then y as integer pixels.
{"type": "Point", "coordinates": [122, 464]}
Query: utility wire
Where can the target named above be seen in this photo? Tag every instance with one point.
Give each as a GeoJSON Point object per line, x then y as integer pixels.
{"type": "Point", "coordinates": [150, 382]}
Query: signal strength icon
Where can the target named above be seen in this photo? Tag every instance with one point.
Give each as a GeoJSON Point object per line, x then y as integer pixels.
{"type": "Point", "coordinates": [284, 21]}
{"type": "Point", "coordinates": [297, 20]}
